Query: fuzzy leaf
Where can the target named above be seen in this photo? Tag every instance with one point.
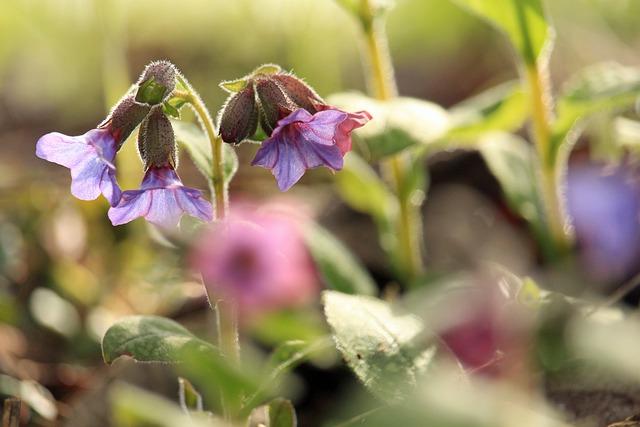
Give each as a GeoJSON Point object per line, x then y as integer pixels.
{"type": "Point", "coordinates": [233, 86]}
{"type": "Point", "coordinates": [282, 413]}
{"type": "Point", "coordinates": [396, 125]}
{"type": "Point", "coordinates": [339, 269]}
{"type": "Point", "coordinates": [193, 139]}
{"type": "Point", "coordinates": [511, 160]}
{"type": "Point", "coordinates": [500, 108]}
{"type": "Point", "coordinates": [190, 399]}
{"type": "Point", "coordinates": [523, 21]}
{"type": "Point", "coordinates": [607, 86]}
{"type": "Point", "coordinates": [150, 339]}
{"type": "Point", "coordinates": [388, 350]}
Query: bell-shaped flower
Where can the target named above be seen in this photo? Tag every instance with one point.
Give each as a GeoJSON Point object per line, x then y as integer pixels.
{"type": "Point", "coordinates": [303, 141]}
{"type": "Point", "coordinates": [162, 199]}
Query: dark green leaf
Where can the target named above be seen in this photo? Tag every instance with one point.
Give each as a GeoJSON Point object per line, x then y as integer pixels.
{"type": "Point", "coordinates": [387, 349]}
{"type": "Point", "coordinates": [150, 339]}
{"type": "Point", "coordinates": [170, 110]}
{"type": "Point", "coordinates": [339, 269]}
{"type": "Point", "coordinates": [282, 413]}
{"type": "Point", "coordinates": [190, 399]}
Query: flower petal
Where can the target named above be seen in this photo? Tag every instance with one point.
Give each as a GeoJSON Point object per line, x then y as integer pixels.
{"type": "Point", "coordinates": [133, 204]}
{"type": "Point", "coordinates": [192, 202]}
{"type": "Point", "coordinates": [64, 150]}
{"type": "Point", "coordinates": [165, 209]}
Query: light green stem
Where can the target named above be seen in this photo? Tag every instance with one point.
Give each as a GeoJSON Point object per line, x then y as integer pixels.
{"type": "Point", "coordinates": [383, 86]}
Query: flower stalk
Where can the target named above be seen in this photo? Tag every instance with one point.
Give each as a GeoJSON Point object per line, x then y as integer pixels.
{"type": "Point", "coordinates": [382, 85]}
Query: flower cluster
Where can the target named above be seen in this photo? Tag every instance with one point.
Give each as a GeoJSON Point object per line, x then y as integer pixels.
{"type": "Point", "coordinates": [303, 132]}
{"type": "Point", "coordinates": [162, 198]}
{"type": "Point", "coordinates": [257, 259]}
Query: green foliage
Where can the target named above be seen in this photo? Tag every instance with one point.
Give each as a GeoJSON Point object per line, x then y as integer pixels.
{"type": "Point", "coordinates": [134, 407]}
{"type": "Point", "coordinates": [607, 86]}
{"type": "Point", "coordinates": [193, 139]}
{"type": "Point", "coordinates": [500, 108]}
{"type": "Point", "coordinates": [339, 269]}
{"type": "Point", "coordinates": [387, 349]}
{"type": "Point", "coordinates": [281, 413]}
{"type": "Point", "coordinates": [512, 161]}
{"type": "Point", "coordinates": [150, 339]}
{"type": "Point", "coordinates": [523, 21]}
{"type": "Point", "coordinates": [190, 399]}
{"type": "Point", "coordinates": [396, 125]}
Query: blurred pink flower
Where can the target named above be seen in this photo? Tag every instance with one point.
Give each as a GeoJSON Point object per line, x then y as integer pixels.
{"type": "Point", "coordinates": [258, 260]}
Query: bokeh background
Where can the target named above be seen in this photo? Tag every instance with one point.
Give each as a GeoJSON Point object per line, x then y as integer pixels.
{"type": "Point", "coordinates": [66, 273]}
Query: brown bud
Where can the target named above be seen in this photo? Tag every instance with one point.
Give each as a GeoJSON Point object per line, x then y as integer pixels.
{"type": "Point", "coordinates": [298, 92]}
{"type": "Point", "coordinates": [274, 103]}
{"type": "Point", "coordinates": [125, 117]}
{"type": "Point", "coordinates": [156, 140]}
{"type": "Point", "coordinates": [239, 116]}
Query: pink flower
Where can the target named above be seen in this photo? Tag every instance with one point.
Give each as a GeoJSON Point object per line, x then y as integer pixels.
{"type": "Point", "coordinates": [258, 260]}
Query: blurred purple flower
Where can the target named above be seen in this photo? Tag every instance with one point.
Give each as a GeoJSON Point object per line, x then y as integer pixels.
{"type": "Point", "coordinates": [303, 141]}
{"type": "Point", "coordinates": [90, 159]}
{"type": "Point", "coordinates": [605, 212]}
{"type": "Point", "coordinates": [258, 260]}
{"type": "Point", "coordinates": [162, 199]}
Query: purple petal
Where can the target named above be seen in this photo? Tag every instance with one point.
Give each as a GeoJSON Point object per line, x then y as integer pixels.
{"type": "Point", "coordinates": [300, 115]}
{"type": "Point", "coordinates": [194, 204]}
{"type": "Point", "coordinates": [165, 209]}
{"type": "Point", "coordinates": [64, 150]}
{"type": "Point", "coordinates": [133, 204]}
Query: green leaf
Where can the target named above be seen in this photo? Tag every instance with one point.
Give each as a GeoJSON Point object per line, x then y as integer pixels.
{"type": "Point", "coordinates": [193, 139]}
{"type": "Point", "coordinates": [170, 110]}
{"type": "Point", "coordinates": [233, 86]}
{"type": "Point", "coordinates": [387, 349]}
{"type": "Point", "coordinates": [511, 160]}
{"type": "Point", "coordinates": [190, 399]}
{"type": "Point", "coordinates": [523, 21]}
{"type": "Point", "coordinates": [267, 69]}
{"type": "Point", "coordinates": [607, 86]}
{"type": "Point", "coordinates": [150, 339]}
{"type": "Point", "coordinates": [135, 407]}
{"type": "Point", "coordinates": [362, 189]}
{"type": "Point", "coordinates": [396, 124]}
{"type": "Point", "coordinates": [151, 92]}
{"type": "Point", "coordinates": [338, 268]}
{"type": "Point", "coordinates": [282, 413]}
{"type": "Point", "coordinates": [501, 108]}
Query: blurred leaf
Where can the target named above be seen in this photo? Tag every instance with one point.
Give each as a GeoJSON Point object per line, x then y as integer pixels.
{"type": "Point", "coordinates": [286, 325]}
{"type": "Point", "coordinates": [190, 399]}
{"type": "Point", "coordinates": [501, 108]}
{"type": "Point", "coordinates": [170, 110]}
{"type": "Point", "coordinates": [607, 86]}
{"type": "Point", "coordinates": [364, 191]}
{"type": "Point", "coordinates": [150, 339]}
{"type": "Point", "coordinates": [282, 413]}
{"type": "Point", "coordinates": [233, 86]}
{"type": "Point", "coordinates": [135, 407]}
{"type": "Point", "coordinates": [511, 160]}
{"type": "Point", "coordinates": [193, 139]}
{"type": "Point", "coordinates": [523, 21]}
{"type": "Point", "coordinates": [365, 10]}
{"type": "Point", "coordinates": [339, 269]}
{"type": "Point", "coordinates": [387, 349]}
{"type": "Point", "coordinates": [396, 124]}
{"type": "Point", "coordinates": [32, 393]}
{"type": "Point", "coordinates": [216, 377]}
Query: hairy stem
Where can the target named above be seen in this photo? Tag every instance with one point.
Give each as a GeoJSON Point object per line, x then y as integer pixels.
{"type": "Point", "coordinates": [383, 86]}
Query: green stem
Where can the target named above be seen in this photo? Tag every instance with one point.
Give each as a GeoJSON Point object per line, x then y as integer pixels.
{"type": "Point", "coordinates": [383, 86]}
{"type": "Point", "coordinates": [549, 173]}
{"type": "Point", "coordinates": [226, 312]}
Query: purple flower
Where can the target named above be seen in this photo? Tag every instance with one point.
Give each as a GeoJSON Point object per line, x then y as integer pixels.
{"type": "Point", "coordinates": [256, 259]}
{"type": "Point", "coordinates": [162, 199]}
{"type": "Point", "coordinates": [303, 141]}
{"type": "Point", "coordinates": [90, 159]}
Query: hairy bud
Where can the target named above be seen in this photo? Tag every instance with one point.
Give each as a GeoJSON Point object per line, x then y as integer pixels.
{"type": "Point", "coordinates": [157, 82]}
{"type": "Point", "coordinates": [274, 103]}
{"type": "Point", "coordinates": [124, 118]}
{"type": "Point", "coordinates": [298, 91]}
{"type": "Point", "coordinates": [156, 141]}
{"type": "Point", "coordinates": [239, 116]}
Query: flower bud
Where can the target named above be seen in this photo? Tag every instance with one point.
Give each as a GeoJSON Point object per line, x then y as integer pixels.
{"type": "Point", "coordinates": [274, 103]}
{"type": "Point", "coordinates": [157, 82]}
{"type": "Point", "coordinates": [156, 141]}
{"type": "Point", "coordinates": [298, 91]}
{"type": "Point", "coordinates": [124, 118]}
{"type": "Point", "coordinates": [239, 116]}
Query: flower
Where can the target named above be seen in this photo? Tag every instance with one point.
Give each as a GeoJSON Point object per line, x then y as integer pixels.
{"type": "Point", "coordinates": [90, 159]}
{"type": "Point", "coordinates": [162, 199]}
{"type": "Point", "coordinates": [258, 260]}
{"type": "Point", "coordinates": [303, 141]}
